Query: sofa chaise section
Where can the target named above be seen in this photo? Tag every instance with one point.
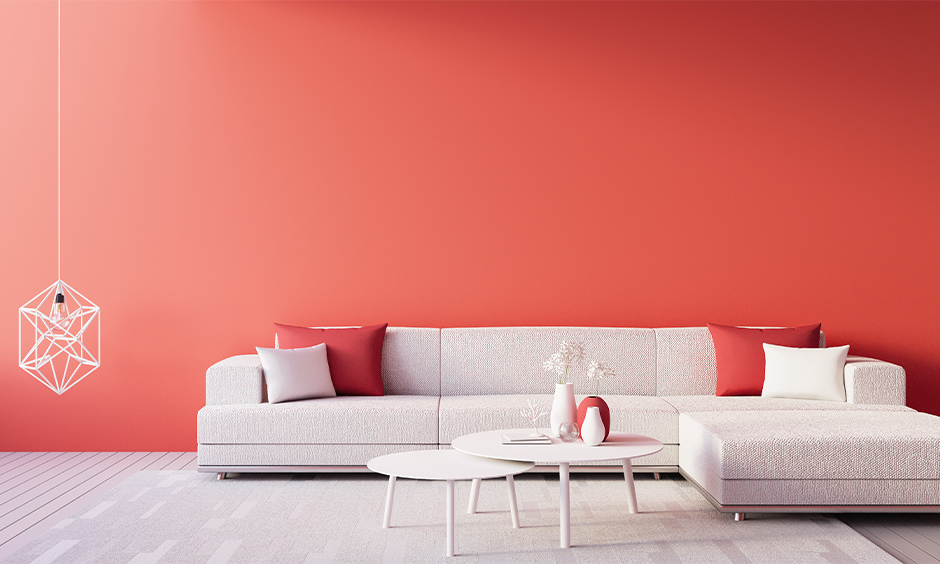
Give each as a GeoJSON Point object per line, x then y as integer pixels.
{"type": "Point", "coordinates": [813, 460]}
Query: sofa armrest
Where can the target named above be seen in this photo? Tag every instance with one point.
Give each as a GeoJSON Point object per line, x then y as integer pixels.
{"type": "Point", "coordinates": [237, 379]}
{"type": "Point", "coordinates": [874, 382]}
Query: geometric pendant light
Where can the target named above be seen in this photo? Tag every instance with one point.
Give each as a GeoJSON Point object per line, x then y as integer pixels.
{"type": "Point", "coordinates": [63, 327]}
{"type": "Point", "coordinates": [63, 337]}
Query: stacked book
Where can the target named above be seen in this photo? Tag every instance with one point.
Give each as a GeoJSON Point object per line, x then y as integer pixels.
{"type": "Point", "coordinates": [526, 439]}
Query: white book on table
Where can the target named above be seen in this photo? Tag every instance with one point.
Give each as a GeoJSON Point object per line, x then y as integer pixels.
{"type": "Point", "coordinates": [526, 439]}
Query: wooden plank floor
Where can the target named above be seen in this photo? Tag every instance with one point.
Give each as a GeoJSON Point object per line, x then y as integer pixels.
{"type": "Point", "coordinates": [909, 537]}
{"type": "Point", "coordinates": [39, 489]}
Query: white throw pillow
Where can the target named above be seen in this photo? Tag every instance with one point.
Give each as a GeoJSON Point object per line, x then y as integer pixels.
{"type": "Point", "coordinates": [815, 374]}
{"type": "Point", "coordinates": [293, 374]}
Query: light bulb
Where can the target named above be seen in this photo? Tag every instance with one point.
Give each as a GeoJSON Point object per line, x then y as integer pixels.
{"type": "Point", "coordinates": [60, 313]}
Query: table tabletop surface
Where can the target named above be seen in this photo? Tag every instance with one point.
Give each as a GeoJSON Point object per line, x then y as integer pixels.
{"type": "Point", "coordinates": [445, 465]}
{"type": "Point", "coordinates": [617, 446]}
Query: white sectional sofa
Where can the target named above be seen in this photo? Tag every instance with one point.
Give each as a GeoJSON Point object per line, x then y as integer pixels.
{"type": "Point", "coordinates": [744, 453]}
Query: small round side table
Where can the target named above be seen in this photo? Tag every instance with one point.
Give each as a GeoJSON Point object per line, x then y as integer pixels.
{"type": "Point", "coordinates": [447, 465]}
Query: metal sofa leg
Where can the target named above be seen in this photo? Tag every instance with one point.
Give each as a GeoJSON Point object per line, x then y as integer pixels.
{"type": "Point", "coordinates": [655, 475]}
{"type": "Point", "coordinates": [739, 516]}
{"type": "Point", "coordinates": [220, 476]}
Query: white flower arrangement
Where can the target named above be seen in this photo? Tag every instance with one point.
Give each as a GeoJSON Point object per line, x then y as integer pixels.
{"type": "Point", "coordinates": [533, 413]}
{"type": "Point", "coordinates": [597, 371]}
{"type": "Point", "coordinates": [560, 362]}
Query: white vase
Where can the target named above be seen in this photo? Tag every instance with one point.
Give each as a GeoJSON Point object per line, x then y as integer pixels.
{"type": "Point", "coordinates": [564, 409]}
{"type": "Point", "coordinates": [592, 431]}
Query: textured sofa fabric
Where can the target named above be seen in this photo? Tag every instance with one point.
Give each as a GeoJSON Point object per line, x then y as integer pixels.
{"type": "Point", "coordinates": [236, 380]}
{"type": "Point", "coordinates": [686, 404]}
{"type": "Point", "coordinates": [870, 381]}
{"type": "Point", "coordinates": [443, 383]}
{"type": "Point", "coordinates": [336, 420]}
{"type": "Point", "coordinates": [294, 458]}
{"type": "Point", "coordinates": [843, 458]}
{"type": "Point", "coordinates": [508, 360]}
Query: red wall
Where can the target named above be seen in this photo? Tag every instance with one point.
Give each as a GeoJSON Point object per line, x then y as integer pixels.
{"type": "Point", "coordinates": [230, 164]}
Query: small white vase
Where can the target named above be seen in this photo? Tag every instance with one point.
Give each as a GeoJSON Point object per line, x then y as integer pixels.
{"type": "Point", "coordinates": [564, 409]}
{"type": "Point", "coordinates": [592, 432]}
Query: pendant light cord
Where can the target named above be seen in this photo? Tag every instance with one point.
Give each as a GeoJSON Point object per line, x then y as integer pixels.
{"type": "Point", "coordinates": [59, 107]}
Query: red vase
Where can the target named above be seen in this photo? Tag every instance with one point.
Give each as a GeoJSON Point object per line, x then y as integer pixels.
{"type": "Point", "coordinates": [601, 405]}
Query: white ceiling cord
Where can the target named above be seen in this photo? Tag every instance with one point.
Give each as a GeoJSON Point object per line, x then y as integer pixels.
{"type": "Point", "coordinates": [59, 141]}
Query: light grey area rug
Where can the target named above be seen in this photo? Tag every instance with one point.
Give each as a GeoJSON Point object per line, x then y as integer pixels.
{"type": "Point", "coordinates": [187, 517]}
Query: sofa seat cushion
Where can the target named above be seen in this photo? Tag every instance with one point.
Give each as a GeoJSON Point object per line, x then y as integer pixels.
{"type": "Point", "coordinates": [338, 420]}
{"type": "Point", "coordinates": [642, 415]}
{"type": "Point", "coordinates": [686, 404]}
{"type": "Point", "coordinates": [810, 445]}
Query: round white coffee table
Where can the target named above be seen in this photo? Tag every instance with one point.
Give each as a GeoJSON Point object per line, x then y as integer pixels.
{"type": "Point", "coordinates": [447, 465]}
{"type": "Point", "coordinates": [618, 446]}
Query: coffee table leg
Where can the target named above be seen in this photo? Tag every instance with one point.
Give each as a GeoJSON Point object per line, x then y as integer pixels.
{"type": "Point", "coordinates": [450, 517]}
{"type": "Point", "coordinates": [564, 504]}
{"type": "Point", "coordinates": [513, 507]}
{"type": "Point", "coordinates": [474, 495]}
{"type": "Point", "coordinates": [389, 497]}
{"type": "Point", "coordinates": [631, 489]}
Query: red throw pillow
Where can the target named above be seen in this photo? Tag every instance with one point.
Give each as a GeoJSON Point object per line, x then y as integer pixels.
{"type": "Point", "coordinates": [739, 352]}
{"type": "Point", "coordinates": [354, 354]}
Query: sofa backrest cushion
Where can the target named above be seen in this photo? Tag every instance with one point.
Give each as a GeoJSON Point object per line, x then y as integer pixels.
{"type": "Point", "coordinates": [508, 360]}
{"type": "Point", "coordinates": [411, 361]}
{"type": "Point", "coordinates": [685, 362]}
